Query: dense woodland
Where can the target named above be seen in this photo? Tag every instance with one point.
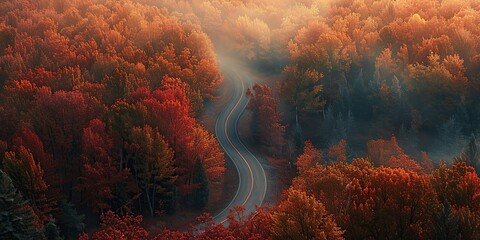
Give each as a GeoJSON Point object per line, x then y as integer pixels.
{"type": "Point", "coordinates": [98, 107]}
{"type": "Point", "coordinates": [371, 117]}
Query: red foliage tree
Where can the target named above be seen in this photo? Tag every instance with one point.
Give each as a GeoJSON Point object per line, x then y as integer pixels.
{"type": "Point", "coordinates": [28, 178]}
{"type": "Point", "coordinates": [268, 129]}
{"type": "Point", "coordinates": [119, 227]}
{"type": "Point", "coordinates": [386, 198]}
{"type": "Point", "coordinates": [59, 119]}
{"type": "Point", "coordinates": [459, 185]}
{"type": "Point", "coordinates": [100, 174]}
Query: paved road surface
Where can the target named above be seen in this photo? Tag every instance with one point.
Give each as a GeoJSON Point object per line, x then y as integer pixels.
{"type": "Point", "coordinates": [252, 181]}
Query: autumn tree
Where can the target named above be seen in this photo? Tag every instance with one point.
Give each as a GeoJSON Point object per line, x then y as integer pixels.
{"type": "Point", "coordinates": [437, 88]}
{"type": "Point", "coordinates": [457, 185]}
{"type": "Point", "coordinates": [252, 37]}
{"type": "Point", "coordinates": [152, 166]}
{"type": "Point", "coordinates": [267, 127]}
{"type": "Point", "coordinates": [309, 158]}
{"type": "Point", "coordinates": [303, 90]}
{"type": "Point", "coordinates": [59, 119]}
{"type": "Point", "coordinates": [385, 205]}
{"type": "Point", "coordinates": [300, 216]}
{"type": "Point", "coordinates": [328, 185]}
{"type": "Point", "coordinates": [338, 152]}
{"type": "Point", "coordinates": [169, 110]}
{"type": "Point", "coordinates": [97, 145]}
{"type": "Point", "coordinates": [80, 81]}
{"type": "Point", "coordinates": [20, 94]}
{"type": "Point", "coordinates": [207, 149]}
{"type": "Point", "coordinates": [29, 139]}
{"type": "Point", "coordinates": [27, 176]}
{"type": "Point", "coordinates": [122, 117]}
{"type": "Point", "coordinates": [17, 98]}
{"type": "Point", "coordinates": [115, 226]}
{"type": "Point", "coordinates": [404, 161]}
{"type": "Point", "coordinates": [380, 151]}
{"type": "Point", "coordinates": [100, 175]}
{"type": "Point", "coordinates": [469, 226]}
{"type": "Point", "coordinates": [256, 225]}
{"type": "Point", "coordinates": [99, 182]}
{"type": "Point", "coordinates": [426, 163]}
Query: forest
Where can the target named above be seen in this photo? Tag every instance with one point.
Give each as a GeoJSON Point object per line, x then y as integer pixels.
{"type": "Point", "coordinates": [364, 116]}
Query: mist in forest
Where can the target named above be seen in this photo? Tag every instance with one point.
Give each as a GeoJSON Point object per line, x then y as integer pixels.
{"type": "Point", "coordinates": [364, 114]}
{"type": "Point", "coordinates": [399, 78]}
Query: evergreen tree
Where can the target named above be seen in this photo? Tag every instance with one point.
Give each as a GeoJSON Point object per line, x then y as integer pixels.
{"type": "Point", "coordinates": [201, 193]}
{"type": "Point", "coordinates": [169, 201]}
{"type": "Point", "coordinates": [71, 223]}
{"type": "Point", "coordinates": [267, 130]}
{"type": "Point", "coordinates": [464, 116]}
{"type": "Point", "coordinates": [51, 231]}
{"type": "Point", "coordinates": [350, 124]}
{"type": "Point", "coordinates": [17, 220]}
{"type": "Point", "coordinates": [470, 154]}
{"type": "Point", "coordinates": [327, 126]}
{"type": "Point", "coordinates": [450, 132]}
{"type": "Point", "coordinates": [450, 141]}
{"type": "Point", "coordinates": [339, 131]}
{"type": "Point", "coordinates": [408, 139]}
{"type": "Point", "coordinates": [298, 138]}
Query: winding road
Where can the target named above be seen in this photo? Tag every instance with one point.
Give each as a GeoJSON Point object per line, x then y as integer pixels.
{"type": "Point", "coordinates": [252, 184]}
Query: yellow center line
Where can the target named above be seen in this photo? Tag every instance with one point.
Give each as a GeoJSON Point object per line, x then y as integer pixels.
{"type": "Point", "coordinates": [236, 149]}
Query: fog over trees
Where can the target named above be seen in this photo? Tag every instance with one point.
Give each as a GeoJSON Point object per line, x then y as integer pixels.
{"type": "Point", "coordinates": [365, 114]}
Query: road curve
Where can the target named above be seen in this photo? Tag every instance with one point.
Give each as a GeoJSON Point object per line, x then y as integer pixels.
{"type": "Point", "coordinates": [252, 182]}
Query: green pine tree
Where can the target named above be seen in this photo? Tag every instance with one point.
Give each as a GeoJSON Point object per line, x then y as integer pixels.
{"type": "Point", "coordinates": [17, 219]}
{"type": "Point", "coordinates": [71, 223]}
{"type": "Point", "coordinates": [51, 231]}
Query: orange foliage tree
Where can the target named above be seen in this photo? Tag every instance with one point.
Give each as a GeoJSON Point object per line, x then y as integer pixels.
{"type": "Point", "coordinates": [309, 158]}
{"type": "Point", "coordinates": [338, 152]}
{"type": "Point", "coordinates": [300, 216]}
